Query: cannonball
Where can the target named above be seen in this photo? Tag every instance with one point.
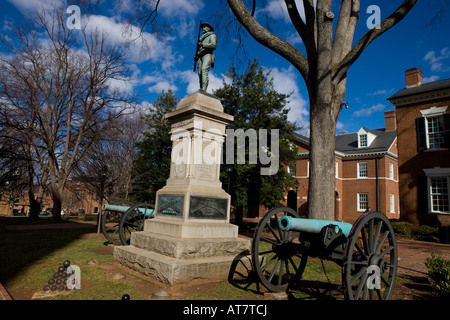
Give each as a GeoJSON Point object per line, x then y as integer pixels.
{"type": "Point", "coordinates": [53, 288]}
{"type": "Point", "coordinates": [126, 297]}
{"type": "Point", "coordinates": [61, 269]}
{"type": "Point", "coordinates": [56, 275]}
{"type": "Point", "coordinates": [51, 281]}
{"type": "Point", "coordinates": [66, 263]}
{"type": "Point", "coordinates": [46, 288]}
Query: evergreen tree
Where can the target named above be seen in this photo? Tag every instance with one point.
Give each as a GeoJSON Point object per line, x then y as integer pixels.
{"type": "Point", "coordinates": [152, 166]}
{"type": "Point", "coordinates": [255, 104]}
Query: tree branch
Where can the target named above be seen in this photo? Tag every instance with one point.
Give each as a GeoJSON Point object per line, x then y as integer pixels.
{"type": "Point", "coordinates": [267, 39]}
{"type": "Point", "coordinates": [341, 68]}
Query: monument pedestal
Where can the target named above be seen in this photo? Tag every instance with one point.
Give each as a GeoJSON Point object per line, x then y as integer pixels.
{"type": "Point", "coordinates": [190, 236]}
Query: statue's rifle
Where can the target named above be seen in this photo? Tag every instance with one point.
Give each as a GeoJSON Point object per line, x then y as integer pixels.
{"type": "Point", "coordinates": [198, 42]}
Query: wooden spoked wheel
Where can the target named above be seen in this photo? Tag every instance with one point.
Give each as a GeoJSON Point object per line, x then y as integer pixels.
{"type": "Point", "coordinates": [370, 259]}
{"type": "Point", "coordinates": [133, 220]}
{"type": "Point", "coordinates": [276, 254]}
{"type": "Point", "coordinates": [111, 221]}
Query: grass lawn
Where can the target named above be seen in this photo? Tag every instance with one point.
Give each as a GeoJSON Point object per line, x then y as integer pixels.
{"type": "Point", "coordinates": [28, 259]}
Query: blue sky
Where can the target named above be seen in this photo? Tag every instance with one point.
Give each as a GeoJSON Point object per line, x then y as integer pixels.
{"type": "Point", "coordinates": [167, 61]}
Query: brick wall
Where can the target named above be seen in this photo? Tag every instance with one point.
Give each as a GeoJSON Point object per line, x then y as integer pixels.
{"type": "Point", "coordinates": [412, 162]}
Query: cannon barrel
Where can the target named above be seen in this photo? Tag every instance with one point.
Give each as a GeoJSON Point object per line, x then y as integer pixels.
{"type": "Point", "coordinates": [287, 223]}
{"type": "Point", "coordinates": [123, 209]}
{"type": "Point", "coordinates": [112, 207]}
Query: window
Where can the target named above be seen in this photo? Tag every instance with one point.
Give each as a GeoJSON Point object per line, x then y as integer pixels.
{"type": "Point", "coordinates": [439, 194]}
{"type": "Point", "coordinates": [363, 140]}
{"type": "Point", "coordinates": [432, 129]}
{"type": "Point", "coordinates": [292, 169]}
{"type": "Point", "coordinates": [391, 203]}
{"type": "Point", "coordinates": [336, 166]}
{"type": "Point", "coordinates": [391, 171]}
{"type": "Point", "coordinates": [435, 132]}
{"type": "Point", "coordinates": [363, 201]}
{"type": "Point", "coordinates": [363, 171]}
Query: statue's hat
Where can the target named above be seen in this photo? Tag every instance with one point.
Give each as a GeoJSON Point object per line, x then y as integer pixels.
{"type": "Point", "coordinates": [208, 25]}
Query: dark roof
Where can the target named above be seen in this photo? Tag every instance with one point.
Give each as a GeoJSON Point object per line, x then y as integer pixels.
{"type": "Point", "coordinates": [426, 87]}
{"type": "Point", "coordinates": [348, 143]}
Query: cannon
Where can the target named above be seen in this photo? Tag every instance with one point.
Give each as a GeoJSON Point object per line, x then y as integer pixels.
{"type": "Point", "coordinates": [366, 251]}
{"type": "Point", "coordinates": [122, 218]}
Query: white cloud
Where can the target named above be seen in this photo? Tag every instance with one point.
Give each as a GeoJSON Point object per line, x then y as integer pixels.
{"type": "Point", "coordinates": [180, 8]}
{"type": "Point", "coordinates": [28, 6]}
{"type": "Point", "coordinates": [369, 111]}
{"type": "Point", "coordinates": [435, 61]}
{"type": "Point", "coordinates": [431, 79]}
{"type": "Point", "coordinates": [381, 92]}
{"type": "Point", "coordinates": [286, 81]}
{"type": "Point", "coordinates": [140, 47]}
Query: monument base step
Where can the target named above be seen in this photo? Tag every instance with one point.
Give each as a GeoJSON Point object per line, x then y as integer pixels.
{"type": "Point", "coordinates": [172, 271]}
{"type": "Point", "coordinates": [182, 248]}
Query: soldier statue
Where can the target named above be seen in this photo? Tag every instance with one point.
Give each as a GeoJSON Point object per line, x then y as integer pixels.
{"type": "Point", "coordinates": [204, 54]}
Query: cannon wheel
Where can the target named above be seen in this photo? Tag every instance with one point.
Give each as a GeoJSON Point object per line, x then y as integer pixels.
{"type": "Point", "coordinates": [133, 220]}
{"type": "Point", "coordinates": [371, 248]}
{"type": "Point", "coordinates": [274, 263]}
{"type": "Point", "coordinates": [111, 221]}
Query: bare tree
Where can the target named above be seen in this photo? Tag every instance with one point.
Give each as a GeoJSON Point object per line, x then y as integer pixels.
{"type": "Point", "coordinates": [62, 91]}
{"type": "Point", "coordinates": [329, 55]}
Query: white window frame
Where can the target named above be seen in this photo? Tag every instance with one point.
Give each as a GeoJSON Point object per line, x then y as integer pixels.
{"type": "Point", "coordinates": [336, 166]}
{"type": "Point", "coordinates": [363, 143]}
{"type": "Point", "coordinates": [391, 171]}
{"type": "Point", "coordinates": [391, 203]}
{"type": "Point", "coordinates": [437, 173]}
{"type": "Point", "coordinates": [359, 170]}
{"type": "Point", "coordinates": [359, 196]}
{"type": "Point", "coordinates": [433, 112]}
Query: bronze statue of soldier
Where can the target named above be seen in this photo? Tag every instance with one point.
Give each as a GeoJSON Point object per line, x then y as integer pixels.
{"type": "Point", "coordinates": [204, 54]}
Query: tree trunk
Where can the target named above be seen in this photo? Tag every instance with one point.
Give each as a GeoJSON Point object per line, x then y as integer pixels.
{"type": "Point", "coordinates": [321, 199]}
{"type": "Point", "coordinates": [57, 203]}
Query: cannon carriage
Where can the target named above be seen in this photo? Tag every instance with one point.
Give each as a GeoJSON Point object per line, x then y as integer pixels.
{"type": "Point", "coordinates": [122, 218]}
{"type": "Point", "coordinates": [366, 251]}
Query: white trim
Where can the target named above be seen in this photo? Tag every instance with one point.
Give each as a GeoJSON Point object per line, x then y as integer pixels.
{"type": "Point", "coordinates": [391, 203]}
{"type": "Point", "coordinates": [438, 171]}
{"type": "Point", "coordinates": [433, 111]}
{"type": "Point", "coordinates": [358, 170]}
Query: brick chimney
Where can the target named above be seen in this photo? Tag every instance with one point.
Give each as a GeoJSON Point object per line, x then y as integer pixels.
{"type": "Point", "coordinates": [390, 120]}
{"type": "Point", "coordinates": [413, 78]}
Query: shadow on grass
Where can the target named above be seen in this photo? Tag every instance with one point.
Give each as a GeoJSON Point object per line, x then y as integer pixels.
{"type": "Point", "coordinates": [21, 249]}
{"type": "Point", "coordinates": [243, 276]}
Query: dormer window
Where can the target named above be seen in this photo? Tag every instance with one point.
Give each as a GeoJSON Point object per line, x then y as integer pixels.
{"type": "Point", "coordinates": [362, 140]}
{"type": "Point", "coordinates": [365, 138]}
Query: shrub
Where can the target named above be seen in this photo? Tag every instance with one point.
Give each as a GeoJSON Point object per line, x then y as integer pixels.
{"type": "Point", "coordinates": [426, 230]}
{"type": "Point", "coordinates": [439, 274]}
{"type": "Point", "coordinates": [404, 228]}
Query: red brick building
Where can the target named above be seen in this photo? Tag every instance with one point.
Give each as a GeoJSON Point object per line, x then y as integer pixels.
{"type": "Point", "coordinates": [423, 129]}
{"type": "Point", "coordinates": [366, 171]}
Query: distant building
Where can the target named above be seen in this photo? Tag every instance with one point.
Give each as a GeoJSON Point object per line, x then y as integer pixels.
{"type": "Point", "coordinates": [423, 129]}
{"type": "Point", "coordinates": [365, 168]}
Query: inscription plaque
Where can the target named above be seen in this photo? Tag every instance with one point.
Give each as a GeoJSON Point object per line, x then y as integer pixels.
{"type": "Point", "coordinates": [208, 208]}
{"type": "Point", "coordinates": [170, 205]}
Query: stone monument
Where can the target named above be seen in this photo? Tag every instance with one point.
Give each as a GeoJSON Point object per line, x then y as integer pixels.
{"type": "Point", "coordinates": [191, 236]}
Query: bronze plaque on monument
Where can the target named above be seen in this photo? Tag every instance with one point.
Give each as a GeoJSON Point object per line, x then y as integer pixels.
{"type": "Point", "coordinates": [208, 208]}
{"type": "Point", "coordinates": [170, 205]}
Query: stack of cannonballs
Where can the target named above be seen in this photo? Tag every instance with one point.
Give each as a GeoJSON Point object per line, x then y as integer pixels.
{"type": "Point", "coordinates": [59, 279]}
